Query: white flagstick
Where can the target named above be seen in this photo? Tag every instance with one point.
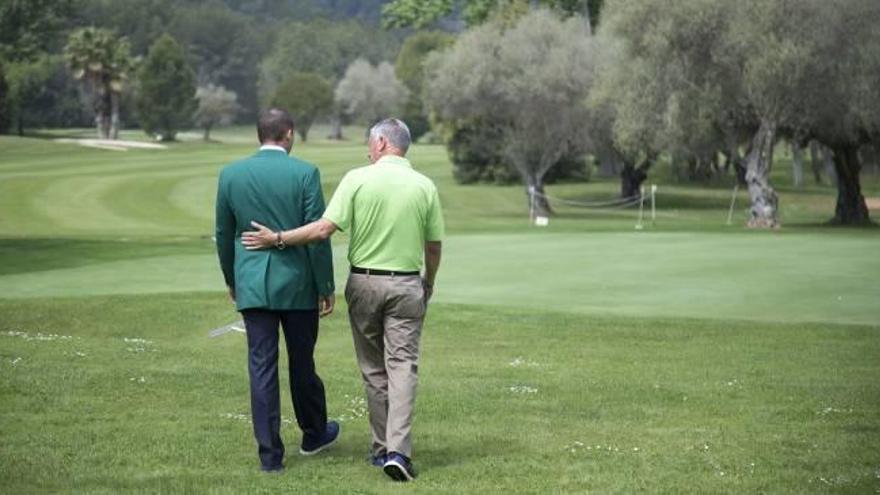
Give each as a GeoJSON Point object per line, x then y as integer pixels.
{"type": "Point", "coordinates": [732, 202]}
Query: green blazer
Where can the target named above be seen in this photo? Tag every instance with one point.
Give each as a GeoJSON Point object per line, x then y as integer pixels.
{"type": "Point", "coordinates": [282, 193]}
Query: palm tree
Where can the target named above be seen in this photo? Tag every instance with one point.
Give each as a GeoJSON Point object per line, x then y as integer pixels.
{"type": "Point", "coordinates": [102, 60]}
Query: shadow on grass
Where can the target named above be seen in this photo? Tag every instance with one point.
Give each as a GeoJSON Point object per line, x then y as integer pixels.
{"type": "Point", "coordinates": [61, 134]}
{"type": "Point", "coordinates": [831, 225]}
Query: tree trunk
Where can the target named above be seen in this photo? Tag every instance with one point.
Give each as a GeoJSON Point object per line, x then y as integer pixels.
{"type": "Point", "coordinates": [632, 176]}
{"type": "Point", "coordinates": [740, 170]}
{"type": "Point", "coordinates": [732, 160]}
{"type": "Point", "coordinates": [735, 157]}
{"type": "Point", "coordinates": [758, 164]}
{"type": "Point", "coordinates": [797, 164]}
{"type": "Point", "coordinates": [538, 204]}
{"type": "Point", "coordinates": [103, 104]}
{"type": "Point", "coordinates": [102, 120]}
{"type": "Point", "coordinates": [114, 115]}
{"type": "Point", "coordinates": [816, 161]}
{"type": "Point", "coordinates": [303, 132]}
{"type": "Point", "coordinates": [336, 128]}
{"type": "Point", "coordinates": [609, 162]}
{"type": "Point", "coordinates": [692, 167]}
{"type": "Point", "coordinates": [828, 160]}
{"type": "Point", "coordinates": [207, 135]}
{"type": "Point", "coordinates": [631, 179]}
{"type": "Point", "coordinates": [714, 163]}
{"type": "Point", "coordinates": [851, 208]}
{"type": "Point", "coordinates": [676, 159]}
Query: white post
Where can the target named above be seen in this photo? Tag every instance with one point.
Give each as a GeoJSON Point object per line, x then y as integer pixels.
{"type": "Point", "coordinates": [653, 203]}
{"type": "Point", "coordinates": [732, 202]}
{"type": "Point", "coordinates": [641, 207]}
{"type": "Point", "coordinates": [531, 204]}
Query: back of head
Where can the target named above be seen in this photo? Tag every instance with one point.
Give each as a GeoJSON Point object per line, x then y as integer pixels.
{"type": "Point", "coordinates": [274, 125]}
{"type": "Point", "coordinates": [394, 131]}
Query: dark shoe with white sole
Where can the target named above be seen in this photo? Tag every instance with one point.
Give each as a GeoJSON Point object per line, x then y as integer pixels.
{"type": "Point", "coordinates": [331, 434]}
{"type": "Point", "coordinates": [399, 467]}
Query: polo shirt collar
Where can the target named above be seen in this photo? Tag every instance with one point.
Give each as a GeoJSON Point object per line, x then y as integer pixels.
{"type": "Point", "coordinates": [272, 147]}
{"type": "Point", "coordinates": [394, 160]}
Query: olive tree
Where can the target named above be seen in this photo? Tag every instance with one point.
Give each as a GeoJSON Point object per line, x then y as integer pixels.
{"type": "Point", "coordinates": [369, 93]}
{"type": "Point", "coordinates": [728, 75]}
{"type": "Point", "coordinates": [717, 72]}
{"type": "Point", "coordinates": [527, 83]}
{"type": "Point", "coordinates": [626, 114]}
{"type": "Point", "coordinates": [410, 69]}
{"type": "Point", "coordinates": [840, 107]}
{"type": "Point", "coordinates": [307, 96]}
{"type": "Point", "coordinates": [217, 106]}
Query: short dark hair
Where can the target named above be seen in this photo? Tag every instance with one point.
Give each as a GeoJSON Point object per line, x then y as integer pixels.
{"type": "Point", "coordinates": [274, 124]}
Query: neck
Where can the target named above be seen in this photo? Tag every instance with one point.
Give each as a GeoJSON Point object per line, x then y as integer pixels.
{"type": "Point", "coordinates": [392, 152]}
{"type": "Point", "coordinates": [280, 144]}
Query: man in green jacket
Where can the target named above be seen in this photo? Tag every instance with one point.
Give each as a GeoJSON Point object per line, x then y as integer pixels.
{"type": "Point", "coordinates": [281, 286]}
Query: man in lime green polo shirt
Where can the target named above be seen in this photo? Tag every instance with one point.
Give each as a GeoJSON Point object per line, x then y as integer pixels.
{"type": "Point", "coordinates": [393, 216]}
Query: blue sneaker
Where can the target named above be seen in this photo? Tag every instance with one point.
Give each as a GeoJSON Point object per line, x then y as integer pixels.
{"type": "Point", "coordinates": [399, 467]}
{"type": "Point", "coordinates": [378, 460]}
{"type": "Point", "coordinates": [331, 434]}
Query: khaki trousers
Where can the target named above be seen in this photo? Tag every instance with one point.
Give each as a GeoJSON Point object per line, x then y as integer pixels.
{"type": "Point", "coordinates": [386, 315]}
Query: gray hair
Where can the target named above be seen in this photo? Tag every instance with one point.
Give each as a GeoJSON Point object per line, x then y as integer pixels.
{"type": "Point", "coordinates": [395, 131]}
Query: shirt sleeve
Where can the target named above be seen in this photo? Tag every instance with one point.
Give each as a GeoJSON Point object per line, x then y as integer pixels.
{"type": "Point", "coordinates": [339, 211]}
{"type": "Point", "coordinates": [435, 229]}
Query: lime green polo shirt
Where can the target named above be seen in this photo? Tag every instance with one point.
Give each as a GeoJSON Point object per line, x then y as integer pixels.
{"type": "Point", "coordinates": [389, 210]}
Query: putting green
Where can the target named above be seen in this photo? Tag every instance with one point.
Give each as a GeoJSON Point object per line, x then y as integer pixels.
{"type": "Point", "coordinates": [796, 277]}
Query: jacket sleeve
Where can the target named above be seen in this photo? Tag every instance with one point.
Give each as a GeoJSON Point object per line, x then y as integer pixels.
{"type": "Point", "coordinates": [320, 253]}
{"type": "Point", "coordinates": [224, 233]}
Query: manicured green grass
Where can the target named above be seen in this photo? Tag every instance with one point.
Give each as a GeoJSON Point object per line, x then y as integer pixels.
{"type": "Point", "coordinates": [64, 190]}
{"type": "Point", "coordinates": [803, 277]}
{"type": "Point", "coordinates": [690, 356]}
{"type": "Point", "coordinates": [510, 401]}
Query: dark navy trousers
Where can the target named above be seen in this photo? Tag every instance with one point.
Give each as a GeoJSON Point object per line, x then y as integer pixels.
{"type": "Point", "coordinates": [300, 330]}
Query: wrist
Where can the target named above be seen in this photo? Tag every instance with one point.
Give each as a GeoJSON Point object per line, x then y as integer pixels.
{"type": "Point", "coordinates": [279, 240]}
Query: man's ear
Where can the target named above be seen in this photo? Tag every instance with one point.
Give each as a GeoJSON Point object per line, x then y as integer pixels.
{"type": "Point", "coordinates": [290, 134]}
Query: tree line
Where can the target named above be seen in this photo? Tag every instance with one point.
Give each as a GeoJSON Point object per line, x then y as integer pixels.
{"type": "Point", "coordinates": [67, 63]}
{"type": "Point", "coordinates": [713, 86]}
{"type": "Point", "coordinates": [517, 90]}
